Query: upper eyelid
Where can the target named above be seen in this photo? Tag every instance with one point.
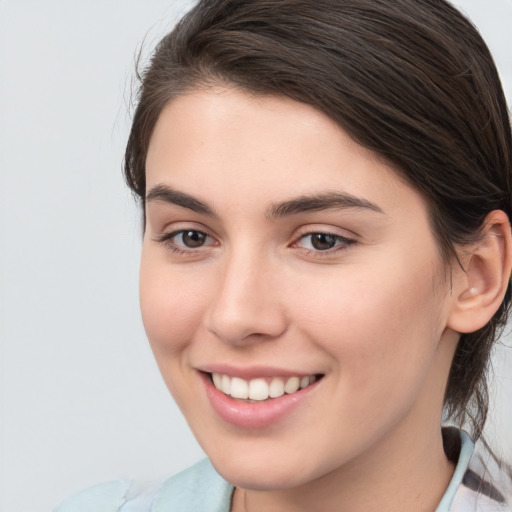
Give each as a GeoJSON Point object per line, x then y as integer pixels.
{"type": "Point", "coordinates": [179, 226]}
{"type": "Point", "coordinates": [175, 232]}
{"type": "Point", "coordinates": [327, 233]}
{"type": "Point", "coordinates": [341, 238]}
{"type": "Point", "coordinates": [333, 231]}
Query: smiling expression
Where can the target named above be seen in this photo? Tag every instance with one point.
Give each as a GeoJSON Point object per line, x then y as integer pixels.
{"type": "Point", "coordinates": [278, 252]}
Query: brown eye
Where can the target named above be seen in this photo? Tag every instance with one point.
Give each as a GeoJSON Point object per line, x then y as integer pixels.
{"type": "Point", "coordinates": [323, 241]}
{"type": "Point", "coordinates": [186, 240]}
{"type": "Point", "coordinates": [192, 239]}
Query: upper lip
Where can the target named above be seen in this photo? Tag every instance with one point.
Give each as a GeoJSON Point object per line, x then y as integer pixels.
{"type": "Point", "coordinates": [252, 372]}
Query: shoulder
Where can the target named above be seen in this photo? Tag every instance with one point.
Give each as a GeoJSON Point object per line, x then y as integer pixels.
{"type": "Point", "coordinates": [105, 497]}
{"type": "Point", "coordinates": [199, 487]}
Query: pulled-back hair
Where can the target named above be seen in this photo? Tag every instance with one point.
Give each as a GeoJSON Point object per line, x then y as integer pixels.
{"type": "Point", "coordinates": [412, 80]}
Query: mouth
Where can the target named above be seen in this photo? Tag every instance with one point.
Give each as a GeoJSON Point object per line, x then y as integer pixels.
{"type": "Point", "coordinates": [263, 388]}
{"type": "Point", "coordinates": [258, 397]}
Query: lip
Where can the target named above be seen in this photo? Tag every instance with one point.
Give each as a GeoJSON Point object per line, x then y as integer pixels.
{"type": "Point", "coordinates": [254, 415]}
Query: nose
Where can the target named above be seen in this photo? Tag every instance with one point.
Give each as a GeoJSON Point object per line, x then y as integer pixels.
{"type": "Point", "coordinates": [246, 307]}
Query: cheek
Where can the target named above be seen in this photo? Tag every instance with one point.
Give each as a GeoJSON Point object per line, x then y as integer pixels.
{"type": "Point", "coordinates": [172, 304]}
{"type": "Point", "coordinates": [379, 325]}
{"type": "Point", "coordinates": [381, 344]}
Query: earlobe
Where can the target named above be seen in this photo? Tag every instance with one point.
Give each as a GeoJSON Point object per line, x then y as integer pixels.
{"type": "Point", "coordinates": [479, 289]}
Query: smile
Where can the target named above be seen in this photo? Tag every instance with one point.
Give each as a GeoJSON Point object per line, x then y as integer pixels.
{"type": "Point", "coordinates": [261, 388]}
{"type": "Point", "coordinates": [259, 400]}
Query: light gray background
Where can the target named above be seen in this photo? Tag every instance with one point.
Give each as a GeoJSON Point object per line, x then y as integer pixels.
{"type": "Point", "coordinates": [81, 400]}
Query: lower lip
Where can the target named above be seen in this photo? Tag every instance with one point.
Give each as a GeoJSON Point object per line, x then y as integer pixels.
{"type": "Point", "coordinates": [254, 415]}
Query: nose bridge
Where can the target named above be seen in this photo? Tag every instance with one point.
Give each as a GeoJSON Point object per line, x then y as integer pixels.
{"type": "Point", "coordinates": [246, 301]}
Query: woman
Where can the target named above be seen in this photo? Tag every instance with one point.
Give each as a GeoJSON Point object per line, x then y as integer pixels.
{"type": "Point", "coordinates": [327, 250]}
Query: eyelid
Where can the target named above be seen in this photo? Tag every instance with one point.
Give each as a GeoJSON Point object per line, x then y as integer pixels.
{"type": "Point", "coordinates": [344, 239]}
{"type": "Point", "coordinates": [168, 229]}
{"type": "Point", "coordinates": [326, 230]}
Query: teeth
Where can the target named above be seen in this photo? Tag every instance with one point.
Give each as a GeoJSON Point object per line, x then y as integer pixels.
{"type": "Point", "coordinates": [225, 385]}
{"type": "Point", "coordinates": [239, 388]}
{"type": "Point", "coordinates": [217, 380]}
{"type": "Point", "coordinates": [276, 388]}
{"type": "Point", "coordinates": [292, 385]}
{"type": "Point", "coordinates": [260, 389]}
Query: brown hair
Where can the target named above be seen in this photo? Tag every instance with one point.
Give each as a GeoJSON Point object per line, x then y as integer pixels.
{"type": "Point", "coordinates": [412, 80]}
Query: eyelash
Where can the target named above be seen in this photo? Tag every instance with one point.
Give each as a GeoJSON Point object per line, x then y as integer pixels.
{"type": "Point", "coordinates": [343, 242]}
{"type": "Point", "coordinates": [166, 239]}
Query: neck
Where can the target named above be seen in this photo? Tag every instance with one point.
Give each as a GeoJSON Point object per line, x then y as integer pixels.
{"type": "Point", "coordinates": [400, 474]}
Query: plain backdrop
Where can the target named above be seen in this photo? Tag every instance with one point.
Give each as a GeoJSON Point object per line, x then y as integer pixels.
{"type": "Point", "coordinates": [81, 400]}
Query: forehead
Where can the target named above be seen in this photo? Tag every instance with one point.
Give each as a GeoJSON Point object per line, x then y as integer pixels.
{"type": "Point", "coordinates": [234, 147]}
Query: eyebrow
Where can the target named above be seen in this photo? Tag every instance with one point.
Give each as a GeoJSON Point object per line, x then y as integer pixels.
{"type": "Point", "coordinates": [302, 204]}
{"type": "Point", "coordinates": [319, 202]}
{"type": "Point", "coordinates": [166, 194]}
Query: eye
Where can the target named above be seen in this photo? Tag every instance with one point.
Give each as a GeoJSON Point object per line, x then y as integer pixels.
{"type": "Point", "coordinates": [322, 242]}
{"type": "Point", "coordinates": [190, 238]}
{"type": "Point", "coordinates": [186, 240]}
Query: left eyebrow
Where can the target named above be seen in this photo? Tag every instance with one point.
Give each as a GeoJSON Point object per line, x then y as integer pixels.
{"type": "Point", "coordinates": [319, 202]}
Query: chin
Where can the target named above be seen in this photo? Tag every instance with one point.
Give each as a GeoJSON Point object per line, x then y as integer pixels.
{"type": "Point", "coordinates": [256, 479]}
{"type": "Point", "coordinates": [257, 474]}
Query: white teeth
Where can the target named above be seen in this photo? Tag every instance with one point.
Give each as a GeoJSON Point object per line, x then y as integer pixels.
{"type": "Point", "coordinates": [259, 389]}
{"type": "Point", "coordinates": [217, 380]}
{"type": "Point", "coordinates": [292, 385]}
{"type": "Point", "coordinates": [276, 388]}
{"type": "Point", "coordinates": [239, 388]}
{"type": "Point", "coordinates": [226, 385]}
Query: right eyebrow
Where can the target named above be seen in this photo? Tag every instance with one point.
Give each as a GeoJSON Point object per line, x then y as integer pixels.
{"type": "Point", "coordinates": [165, 194]}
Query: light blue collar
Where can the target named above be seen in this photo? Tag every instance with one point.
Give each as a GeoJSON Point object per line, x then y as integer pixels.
{"type": "Point", "coordinates": [466, 452]}
{"type": "Point", "coordinates": [197, 489]}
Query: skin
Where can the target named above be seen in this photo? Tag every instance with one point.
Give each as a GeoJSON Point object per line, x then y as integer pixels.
{"type": "Point", "coordinates": [372, 315]}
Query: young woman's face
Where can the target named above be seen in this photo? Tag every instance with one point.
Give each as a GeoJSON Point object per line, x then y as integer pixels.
{"type": "Point", "coordinates": [279, 253]}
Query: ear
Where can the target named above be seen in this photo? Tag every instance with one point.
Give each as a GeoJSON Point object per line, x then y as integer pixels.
{"type": "Point", "coordinates": [479, 288]}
